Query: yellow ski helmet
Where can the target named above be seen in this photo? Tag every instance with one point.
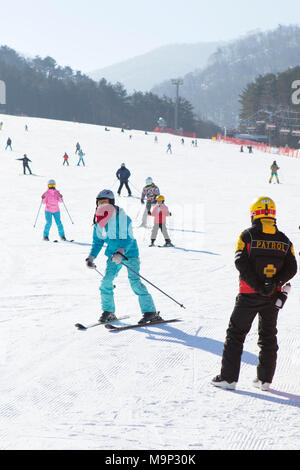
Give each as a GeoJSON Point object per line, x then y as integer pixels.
{"type": "Point", "coordinates": [160, 198]}
{"type": "Point", "coordinates": [263, 207]}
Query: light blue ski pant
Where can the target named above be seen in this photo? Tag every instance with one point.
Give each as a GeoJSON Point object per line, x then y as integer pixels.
{"type": "Point", "coordinates": [56, 215]}
{"type": "Point", "coordinates": [107, 288]}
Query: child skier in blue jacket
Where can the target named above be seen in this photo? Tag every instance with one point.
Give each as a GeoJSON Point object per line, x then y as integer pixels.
{"type": "Point", "coordinates": [113, 227]}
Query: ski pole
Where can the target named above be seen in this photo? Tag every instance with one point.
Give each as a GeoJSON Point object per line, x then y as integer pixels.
{"type": "Point", "coordinates": [37, 214]}
{"type": "Point", "coordinates": [102, 275]}
{"type": "Point", "coordinates": [128, 267]}
{"type": "Point", "coordinates": [68, 212]}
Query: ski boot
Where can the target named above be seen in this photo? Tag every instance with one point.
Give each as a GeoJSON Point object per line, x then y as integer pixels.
{"type": "Point", "coordinates": [152, 242]}
{"type": "Point", "coordinates": [63, 238]}
{"type": "Point", "coordinates": [149, 317]}
{"type": "Point", "coordinates": [107, 316]}
{"type": "Point", "coordinates": [46, 239]}
{"type": "Point", "coordinates": [264, 386]}
{"type": "Point", "coordinates": [168, 243]}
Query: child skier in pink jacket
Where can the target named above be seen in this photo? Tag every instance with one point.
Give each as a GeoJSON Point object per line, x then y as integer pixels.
{"type": "Point", "coordinates": [51, 199]}
{"type": "Point", "coordinates": [160, 212]}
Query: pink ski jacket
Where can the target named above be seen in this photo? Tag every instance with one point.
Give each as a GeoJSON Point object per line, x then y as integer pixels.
{"type": "Point", "coordinates": [51, 198]}
{"type": "Point", "coordinates": [160, 212]}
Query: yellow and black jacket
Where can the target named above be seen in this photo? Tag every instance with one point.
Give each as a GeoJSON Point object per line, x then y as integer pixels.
{"type": "Point", "coordinates": [263, 253]}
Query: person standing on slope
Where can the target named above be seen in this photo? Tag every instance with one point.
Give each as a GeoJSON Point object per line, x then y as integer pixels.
{"type": "Point", "coordinates": [123, 175]}
{"type": "Point", "coordinates": [274, 168]}
{"type": "Point", "coordinates": [66, 158]}
{"type": "Point", "coordinates": [8, 144]}
{"type": "Point", "coordinates": [51, 198]}
{"type": "Point", "coordinates": [25, 161]}
{"type": "Point", "coordinates": [150, 192]}
{"type": "Point", "coordinates": [160, 212]}
{"type": "Point", "coordinates": [113, 227]}
{"type": "Point", "coordinates": [81, 155]}
{"type": "Point", "coordinates": [266, 261]}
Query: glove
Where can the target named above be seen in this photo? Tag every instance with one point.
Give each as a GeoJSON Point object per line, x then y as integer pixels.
{"type": "Point", "coordinates": [117, 256]}
{"type": "Point", "coordinates": [267, 289]}
{"type": "Point", "coordinates": [170, 214]}
{"type": "Point", "coordinates": [149, 212]}
{"type": "Point", "coordinates": [142, 201]}
{"type": "Point", "coordinates": [90, 262]}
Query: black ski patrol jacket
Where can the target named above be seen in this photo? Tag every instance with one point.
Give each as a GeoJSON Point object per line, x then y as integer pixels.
{"type": "Point", "coordinates": [264, 254]}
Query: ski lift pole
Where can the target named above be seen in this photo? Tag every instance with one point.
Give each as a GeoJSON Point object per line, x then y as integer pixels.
{"type": "Point", "coordinates": [68, 212]}
{"type": "Point", "coordinates": [37, 214]}
{"type": "Point", "coordinates": [167, 295]}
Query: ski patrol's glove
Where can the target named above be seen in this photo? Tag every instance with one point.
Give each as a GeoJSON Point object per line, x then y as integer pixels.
{"type": "Point", "coordinates": [90, 262]}
{"type": "Point", "coordinates": [267, 289]}
{"type": "Point", "coordinates": [117, 257]}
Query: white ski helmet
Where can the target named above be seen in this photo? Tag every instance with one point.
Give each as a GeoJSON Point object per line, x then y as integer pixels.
{"type": "Point", "coordinates": [51, 182]}
{"type": "Point", "coordinates": [149, 180]}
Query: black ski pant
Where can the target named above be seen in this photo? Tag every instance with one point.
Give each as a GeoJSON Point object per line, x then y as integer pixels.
{"type": "Point", "coordinates": [247, 306]}
{"type": "Point", "coordinates": [24, 169]}
{"type": "Point", "coordinates": [127, 187]}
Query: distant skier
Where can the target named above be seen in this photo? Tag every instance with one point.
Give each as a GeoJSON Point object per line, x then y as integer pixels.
{"type": "Point", "coordinates": [77, 148]}
{"type": "Point", "coordinates": [242, 149]}
{"type": "Point", "coordinates": [160, 212]}
{"type": "Point", "coordinates": [8, 144]}
{"type": "Point", "coordinates": [250, 148]}
{"type": "Point", "coordinates": [51, 198]}
{"type": "Point", "coordinates": [156, 139]}
{"type": "Point", "coordinates": [150, 192]}
{"type": "Point", "coordinates": [113, 227]}
{"type": "Point", "coordinates": [274, 168]}
{"type": "Point", "coordinates": [123, 174]}
{"type": "Point", "coordinates": [169, 148]}
{"type": "Point", "coordinates": [26, 128]}
{"type": "Point", "coordinates": [66, 158]}
{"type": "Point", "coordinates": [25, 161]}
{"type": "Point", "coordinates": [1, 125]}
{"type": "Point", "coordinates": [81, 155]}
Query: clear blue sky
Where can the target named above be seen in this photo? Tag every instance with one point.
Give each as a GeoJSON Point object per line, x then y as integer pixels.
{"type": "Point", "coordinates": [92, 34]}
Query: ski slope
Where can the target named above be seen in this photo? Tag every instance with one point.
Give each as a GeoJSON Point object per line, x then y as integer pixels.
{"type": "Point", "coordinates": [147, 388]}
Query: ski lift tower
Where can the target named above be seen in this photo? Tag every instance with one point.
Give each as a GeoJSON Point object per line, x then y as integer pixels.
{"type": "Point", "coordinates": [177, 82]}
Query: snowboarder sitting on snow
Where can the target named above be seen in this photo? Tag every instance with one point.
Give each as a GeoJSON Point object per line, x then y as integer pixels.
{"type": "Point", "coordinates": [266, 261]}
{"type": "Point", "coordinates": [274, 168]}
{"type": "Point", "coordinates": [51, 199]}
{"type": "Point", "coordinates": [113, 227]}
{"type": "Point", "coordinates": [25, 161]}
{"type": "Point", "coordinates": [123, 175]}
{"type": "Point", "coordinates": [150, 192]}
{"type": "Point", "coordinates": [160, 212]}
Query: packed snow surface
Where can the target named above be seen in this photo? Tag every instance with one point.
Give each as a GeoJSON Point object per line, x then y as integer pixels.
{"type": "Point", "coordinates": [147, 388]}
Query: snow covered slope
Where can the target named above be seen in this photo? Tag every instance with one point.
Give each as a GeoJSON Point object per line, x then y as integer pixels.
{"type": "Point", "coordinates": [147, 388]}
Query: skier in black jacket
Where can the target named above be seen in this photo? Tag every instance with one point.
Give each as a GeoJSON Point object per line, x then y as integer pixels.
{"type": "Point", "coordinates": [25, 161]}
{"type": "Point", "coordinates": [266, 261]}
{"type": "Point", "coordinates": [123, 175]}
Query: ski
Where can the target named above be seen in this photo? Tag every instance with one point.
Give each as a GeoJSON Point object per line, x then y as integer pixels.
{"type": "Point", "coordinates": [139, 325]}
{"type": "Point", "coordinates": [166, 246]}
{"type": "Point", "coordinates": [79, 326]}
{"type": "Point", "coordinates": [63, 241]}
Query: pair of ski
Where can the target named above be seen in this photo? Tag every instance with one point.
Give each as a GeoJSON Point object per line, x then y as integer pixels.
{"type": "Point", "coordinates": [63, 241]}
{"type": "Point", "coordinates": [111, 327]}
